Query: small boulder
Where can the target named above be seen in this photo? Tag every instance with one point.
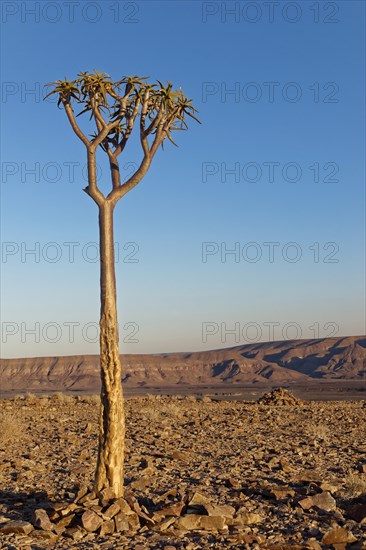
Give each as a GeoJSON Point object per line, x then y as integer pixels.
{"type": "Point", "coordinates": [91, 521]}
{"type": "Point", "coordinates": [247, 518]}
{"type": "Point", "coordinates": [219, 510]}
{"type": "Point", "coordinates": [41, 520]}
{"type": "Point", "coordinates": [111, 511]}
{"type": "Point", "coordinates": [338, 535]}
{"type": "Point", "coordinates": [181, 455]}
{"type": "Point", "coordinates": [188, 522]}
{"type": "Point", "coordinates": [282, 493]}
{"type": "Point", "coordinates": [121, 523]}
{"type": "Point", "coordinates": [16, 527]}
{"type": "Point", "coordinates": [107, 527]}
{"type": "Point", "coordinates": [322, 501]}
{"type": "Point", "coordinates": [198, 499]}
{"type": "Point", "coordinates": [75, 533]}
{"type": "Point", "coordinates": [212, 523]}
{"type": "Point", "coordinates": [173, 510]}
{"type": "Point", "coordinates": [105, 495]}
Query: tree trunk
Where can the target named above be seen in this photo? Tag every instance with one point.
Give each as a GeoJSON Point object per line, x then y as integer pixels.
{"type": "Point", "coordinates": [109, 472]}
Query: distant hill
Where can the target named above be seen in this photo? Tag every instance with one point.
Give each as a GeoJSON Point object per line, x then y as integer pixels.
{"type": "Point", "coordinates": [286, 362]}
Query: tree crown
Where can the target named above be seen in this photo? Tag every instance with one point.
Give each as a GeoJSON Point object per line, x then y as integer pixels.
{"type": "Point", "coordinates": [114, 106]}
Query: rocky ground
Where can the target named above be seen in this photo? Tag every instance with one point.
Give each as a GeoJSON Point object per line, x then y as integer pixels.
{"type": "Point", "coordinates": [274, 474]}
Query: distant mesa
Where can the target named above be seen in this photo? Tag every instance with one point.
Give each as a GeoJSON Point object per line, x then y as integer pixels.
{"type": "Point", "coordinates": [274, 363]}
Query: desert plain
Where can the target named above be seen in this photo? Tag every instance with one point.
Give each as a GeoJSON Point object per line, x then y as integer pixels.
{"type": "Point", "coordinates": [206, 466]}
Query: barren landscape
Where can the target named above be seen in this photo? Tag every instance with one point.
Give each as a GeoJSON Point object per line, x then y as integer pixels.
{"type": "Point", "coordinates": [219, 454]}
{"type": "Point", "coordinates": [200, 473]}
{"type": "Point", "coordinates": [156, 231]}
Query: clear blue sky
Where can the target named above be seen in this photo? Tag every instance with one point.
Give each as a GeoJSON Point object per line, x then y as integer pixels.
{"type": "Point", "coordinates": [291, 131]}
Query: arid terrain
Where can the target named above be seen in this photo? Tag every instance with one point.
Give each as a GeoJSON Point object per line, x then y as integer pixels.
{"type": "Point", "coordinates": [200, 473]}
{"type": "Point", "coordinates": [291, 362]}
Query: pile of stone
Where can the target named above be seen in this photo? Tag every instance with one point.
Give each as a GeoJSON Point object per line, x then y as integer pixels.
{"type": "Point", "coordinates": [279, 397]}
{"type": "Point", "coordinates": [103, 515]}
{"type": "Point", "coordinates": [88, 513]}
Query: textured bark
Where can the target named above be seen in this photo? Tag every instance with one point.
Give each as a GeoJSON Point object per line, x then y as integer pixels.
{"type": "Point", "coordinates": [109, 472]}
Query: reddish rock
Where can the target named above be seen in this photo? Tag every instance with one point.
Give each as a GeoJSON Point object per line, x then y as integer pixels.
{"type": "Point", "coordinates": [82, 491]}
{"type": "Point", "coordinates": [247, 518]}
{"type": "Point", "coordinates": [75, 533]}
{"type": "Point", "coordinates": [234, 483]}
{"type": "Point", "coordinates": [133, 521]}
{"type": "Point", "coordinates": [107, 527]}
{"type": "Point", "coordinates": [124, 506]}
{"type": "Point", "coordinates": [212, 523]}
{"type": "Point", "coordinates": [41, 520]}
{"type": "Point", "coordinates": [180, 455]}
{"type": "Point", "coordinates": [121, 522]}
{"type": "Point", "coordinates": [105, 495]}
{"type": "Point", "coordinates": [17, 527]}
{"type": "Point", "coordinates": [198, 499]}
{"type": "Point", "coordinates": [219, 510]}
{"type": "Point", "coordinates": [337, 535]}
{"type": "Point", "coordinates": [173, 510]}
{"type": "Point", "coordinates": [322, 501]}
{"type": "Point", "coordinates": [188, 522]}
{"type": "Point", "coordinates": [282, 493]}
{"type": "Point", "coordinates": [65, 521]}
{"type": "Point", "coordinates": [91, 521]}
{"type": "Point", "coordinates": [111, 511]}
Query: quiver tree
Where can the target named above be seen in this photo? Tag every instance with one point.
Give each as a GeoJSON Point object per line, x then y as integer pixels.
{"type": "Point", "coordinates": [114, 109]}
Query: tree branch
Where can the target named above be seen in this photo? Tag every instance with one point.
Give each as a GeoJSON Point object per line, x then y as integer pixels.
{"type": "Point", "coordinates": [131, 121]}
{"type": "Point", "coordinates": [116, 194]}
{"type": "Point", "coordinates": [75, 127]}
{"type": "Point", "coordinates": [114, 166]}
{"type": "Point", "coordinates": [159, 138]}
{"type": "Point", "coordinates": [99, 120]}
{"type": "Point", "coordinates": [92, 188]}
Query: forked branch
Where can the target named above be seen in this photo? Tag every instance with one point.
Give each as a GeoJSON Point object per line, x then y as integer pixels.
{"type": "Point", "coordinates": [114, 107]}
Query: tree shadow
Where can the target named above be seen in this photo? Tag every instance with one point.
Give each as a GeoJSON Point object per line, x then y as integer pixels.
{"type": "Point", "coordinates": [21, 505]}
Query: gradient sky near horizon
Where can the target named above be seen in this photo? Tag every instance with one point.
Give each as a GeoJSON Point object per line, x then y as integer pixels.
{"type": "Point", "coordinates": [253, 229]}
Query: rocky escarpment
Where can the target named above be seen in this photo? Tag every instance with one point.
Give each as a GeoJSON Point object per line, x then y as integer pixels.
{"type": "Point", "coordinates": [276, 363]}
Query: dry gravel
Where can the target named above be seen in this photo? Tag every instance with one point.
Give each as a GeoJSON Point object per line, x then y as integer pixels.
{"type": "Point", "coordinates": [291, 474]}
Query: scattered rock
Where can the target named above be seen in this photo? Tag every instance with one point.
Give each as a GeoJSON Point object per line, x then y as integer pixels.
{"type": "Point", "coordinates": [249, 475]}
{"type": "Point", "coordinates": [41, 520]}
{"type": "Point", "coordinates": [112, 511]}
{"type": "Point", "coordinates": [247, 518]}
{"type": "Point", "coordinates": [219, 510]}
{"type": "Point", "coordinates": [212, 523]}
{"type": "Point", "coordinates": [105, 495]}
{"type": "Point", "coordinates": [75, 533]}
{"type": "Point", "coordinates": [121, 523]}
{"type": "Point", "coordinates": [322, 501]}
{"type": "Point", "coordinates": [281, 493]}
{"type": "Point", "coordinates": [178, 455]}
{"type": "Point", "coordinates": [107, 527]}
{"type": "Point", "coordinates": [234, 483]}
{"type": "Point", "coordinates": [91, 521]}
{"type": "Point", "coordinates": [198, 499]}
{"type": "Point", "coordinates": [337, 535]}
{"type": "Point", "coordinates": [18, 527]}
{"type": "Point", "coordinates": [173, 510]}
{"type": "Point", "coordinates": [188, 522]}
